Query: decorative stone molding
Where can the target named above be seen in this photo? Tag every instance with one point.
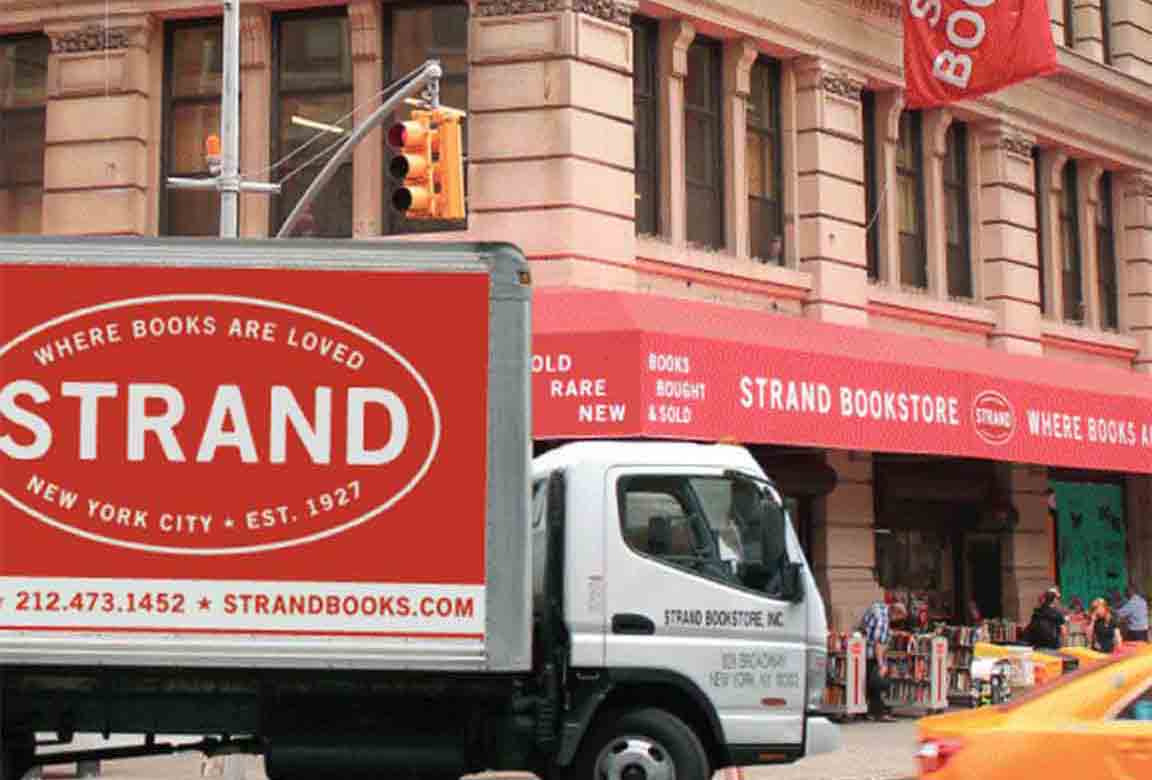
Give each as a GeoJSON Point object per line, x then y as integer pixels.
{"type": "Point", "coordinates": [93, 37]}
{"type": "Point", "coordinates": [1136, 184]}
{"type": "Point", "coordinates": [88, 35]}
{"type": "Point", "coordinates": [364, 29]}
{"type": "Point", "coordinates": [254, 48]}
{"type": "Point", "coordinates": [889, 9]}
{"type": "Point", "coordinates": [1017, 144]}
{"type": "Point", "coordinates": [1053, 161]}
{"type": "Point", "coordinates": [936, 124]}
{"type": "Point", "coordinates": [842, 85]}
{"type": "Point", "coordinates": [676, 35]}
{"type": "Point", "coordinates": [739, 56]}
{"type": "Point", "coordinates": [608, 10]}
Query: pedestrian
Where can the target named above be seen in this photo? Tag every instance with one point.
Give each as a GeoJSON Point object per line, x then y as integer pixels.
{"type": "Point", "coordinates": [1048, 628]}
{"type": "Point", "coordinates": [1134, 614]}
{"type": "Point", "coordinates": [1104, 632]}
{"type": "Point", "coordinates": [876, 625]}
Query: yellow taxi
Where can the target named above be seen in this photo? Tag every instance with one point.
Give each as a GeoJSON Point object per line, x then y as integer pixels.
{"type": "Point", "coordinates": [1093, 723]}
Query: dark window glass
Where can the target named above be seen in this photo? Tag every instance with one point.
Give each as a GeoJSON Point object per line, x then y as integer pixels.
{"type": "Point", "coordinates": [23, 79]}
{"type": "Point", "coordinates": [313, 87]}
{"type": "Point", "coordinates": [1070, 266]}
{"type": "Point", "coordinates": [414, 34]}
{"type": "Point", "coordinates": [194, 73]}
{"type": "Point", "coordinates": [704, 145]}
{"type": "Point", "coordinates": [762, 163]}
{"type": "Point", "coordinates": [1069, 23]}
{"type": "Point", "coordinates": [956, 216]}
{"type": "Point", "coordinates": [1106, 257]}
{"type": "Point", "coordinates": [871, 191]}
{"type": "Point", "coordinates": [910, 197]}
{"type": "Point", "coordinates": [646, 125]}
{"type": "Point", "coordinates": [1041, 203]}
{"type": "Point", "coordinates": [1106, 30]}
{"type": "Point", "coordinates": [723, 529]}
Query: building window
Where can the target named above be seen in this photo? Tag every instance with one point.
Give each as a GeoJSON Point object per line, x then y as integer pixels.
{"type": "Point", "coordinates": [313, 86]}
{"type": "Point", "coordinates": [646, 124]}
{"type": "Point", "coordinates": [193, 68]}
{"type": "Point", "coordinates": [1106, 31]}
{"type": "Point", "coordinates": [1070, 23]}
{"type": "Point", "coordinates": [910, 191]}
{"type": "Point", "coordinates": [704, 144]}
{"type": "Point", "coordinates": [414, 34]}
{"type": "Point", "coordinates": [871, 190]}
{"type": "Point", "coordinates": [765, 206]}
{"type": "Point", "coordinates": [1106, 276]}
{"type": "Point", "coordinates": [956, 214]}
{"type": "Point", "coordinates": [1039, 199]}
{"type": "Point", "coordinates": [1071, 272]}
{"type": "Point", "coordinates": [23, 79]}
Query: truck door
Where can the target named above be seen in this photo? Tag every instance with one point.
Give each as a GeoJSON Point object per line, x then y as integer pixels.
{"type": "Point", "coordinates": [694, 570]}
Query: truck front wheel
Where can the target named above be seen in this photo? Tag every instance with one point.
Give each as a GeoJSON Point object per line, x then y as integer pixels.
{"type": "Point", "coordinates": [644, 744]}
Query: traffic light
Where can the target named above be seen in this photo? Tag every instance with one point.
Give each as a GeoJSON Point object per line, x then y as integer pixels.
{"type": "Point", "coordinates": [428, 165]}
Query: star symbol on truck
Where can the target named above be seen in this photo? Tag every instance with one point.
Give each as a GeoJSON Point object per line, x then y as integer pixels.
{"type": "Point", "coordinates": [205, 604]}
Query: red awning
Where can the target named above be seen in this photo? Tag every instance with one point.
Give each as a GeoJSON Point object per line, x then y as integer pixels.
{"type": "Point", "coordinates": [613, 364]}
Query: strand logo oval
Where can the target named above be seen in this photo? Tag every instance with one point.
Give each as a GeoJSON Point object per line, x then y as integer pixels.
{"type": "Point", "coordinates": [993, 417]}
{"type": "Point", "coordinates": [205, 424]}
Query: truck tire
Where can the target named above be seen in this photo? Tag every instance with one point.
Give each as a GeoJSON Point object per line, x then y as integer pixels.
{"type": "Point", "coordinates": [644, 744]}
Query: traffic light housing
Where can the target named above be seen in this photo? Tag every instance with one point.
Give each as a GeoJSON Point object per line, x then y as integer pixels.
{"type": "Point", "coordinates": [428, 165]}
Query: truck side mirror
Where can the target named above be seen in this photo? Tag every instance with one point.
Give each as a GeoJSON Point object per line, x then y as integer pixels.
{"type": "Point", "coordinates": [792, 584]}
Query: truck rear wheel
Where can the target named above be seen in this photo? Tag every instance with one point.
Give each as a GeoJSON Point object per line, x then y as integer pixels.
{"type": "Point", "coordinates": [644, 744]}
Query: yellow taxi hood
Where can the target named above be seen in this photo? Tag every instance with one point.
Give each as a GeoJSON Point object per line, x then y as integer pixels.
{"type": "Point", "coordinates": [962, 721]}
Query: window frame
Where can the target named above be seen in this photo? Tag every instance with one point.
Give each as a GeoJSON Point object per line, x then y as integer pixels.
{"type": "Point", "coordinates": [1069, 24]}
{"type": "Point", "coordinates": [1040, 202]}
{"type": "Point", "coordinates": [650, 28]}
{"type": "Point", "coordinates": [41, 110]}
{"type": "Point", "coordinates": [1070, 244]}
{"type": "Point", "coordinates": [169, 103]}
{"type": "Point", "coordinates": [871, 184]}
{"type": "Point", "coordinates": [1105, 233]}
{"type": "Point", "coordinates": [715, 114]}
{"type": "Point", "coordinates": [956, 143]}
{"type": "Point", "coordinates": [687, 476]}
{"type": "Point", "coordinates": [916, 174]}
{"type": "Point", "coordinates": [773, 136]}
{"type": "Point", "coordinates": [277, 211]}
{"type": "Point", "coordinates": [1105, 32]}
{"type": "Point", "coordinates": [393, 223]}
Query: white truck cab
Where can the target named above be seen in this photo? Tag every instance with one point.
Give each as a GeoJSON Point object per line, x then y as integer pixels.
{"type": "Point", "coordinates": [683, 573]}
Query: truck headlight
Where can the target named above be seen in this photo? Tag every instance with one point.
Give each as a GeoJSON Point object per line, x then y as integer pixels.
{"type": "Point", "coordinates": [817, 664]}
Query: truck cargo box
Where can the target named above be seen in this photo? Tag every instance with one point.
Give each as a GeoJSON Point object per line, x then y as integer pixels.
{"type": "Point", "coordinates": [301, 454]}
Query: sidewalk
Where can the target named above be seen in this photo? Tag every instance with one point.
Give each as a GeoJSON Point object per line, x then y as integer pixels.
{"type": "Point", "coordinates": [871, 751]}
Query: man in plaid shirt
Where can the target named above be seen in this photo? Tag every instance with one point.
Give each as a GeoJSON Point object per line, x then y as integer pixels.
{"type": "Point", "coordinates": [876, 625]}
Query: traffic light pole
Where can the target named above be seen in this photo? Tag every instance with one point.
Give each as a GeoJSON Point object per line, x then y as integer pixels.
{"type": "Point", "coordinates": [427, 74]}
{"type": "Point", "coordinates": [226, 179]}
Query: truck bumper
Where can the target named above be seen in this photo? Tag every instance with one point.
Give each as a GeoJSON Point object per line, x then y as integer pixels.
{"type": "Point", "coordinates": [821, 736]}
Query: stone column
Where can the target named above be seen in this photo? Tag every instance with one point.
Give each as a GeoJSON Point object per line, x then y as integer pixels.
{"type": "Point", "coordinates": [1026, 553]}
{"type": "Point", "coordinates": [1010, 261]}
{"type": "Point", "coordinates": [1088, 27]}
{"type": "Point", "coordinates": [255, 113]}
{"type": "Point", "coordinates": [1088, 180]}
{"type": "Point", "coordinates": [675, 38]}
{"type": "Point", "coordinates": [738, 58]}
{"type": "Point", "coordinates": [935, 130]}
{"type": "Point", "coordinates": [1132, 37]}
{"type": "Point", "coordinates": [98, 131]}
{"type": "Point", "coordinates": [551, 141]}
{"type": "Point", "coordinates": [367, 81]}
{"type": "Point", "coordinates": [1134, 251]}
{"type": "Point", "coordinates": [831, 240]}
{"type": "Point", "coordinates": [845, 541]}
{"type": "Point", "coordinates": [889, 105]}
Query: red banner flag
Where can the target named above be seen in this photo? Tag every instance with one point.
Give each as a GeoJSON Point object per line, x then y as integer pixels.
{"type": "Point", "coordinates": [957, 49]}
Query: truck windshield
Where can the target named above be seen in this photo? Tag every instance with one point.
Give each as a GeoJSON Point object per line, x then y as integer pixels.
{"type": "Point", "coordinates": [719, 527]}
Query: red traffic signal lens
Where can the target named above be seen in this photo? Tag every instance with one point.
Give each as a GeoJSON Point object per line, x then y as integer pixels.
{"type": "Point", "coordinates": [397, 135]}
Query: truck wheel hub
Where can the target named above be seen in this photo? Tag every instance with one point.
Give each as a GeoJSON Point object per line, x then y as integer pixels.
{"type": "Point", "coordinates": [635, 758]}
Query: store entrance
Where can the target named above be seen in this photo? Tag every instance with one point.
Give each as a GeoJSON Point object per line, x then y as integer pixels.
{"type": "Point", "coordinates": [981, 568]}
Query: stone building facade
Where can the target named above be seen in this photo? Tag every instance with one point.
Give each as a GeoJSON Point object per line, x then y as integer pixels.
{"type": "Point", "coordinates": [743, 154]}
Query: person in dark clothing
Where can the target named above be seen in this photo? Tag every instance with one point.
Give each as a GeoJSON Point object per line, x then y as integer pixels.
{"type": "Point", "coordinates": [1048, 627]}
{"type": "Point", "coordinates": [1105, 631]}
